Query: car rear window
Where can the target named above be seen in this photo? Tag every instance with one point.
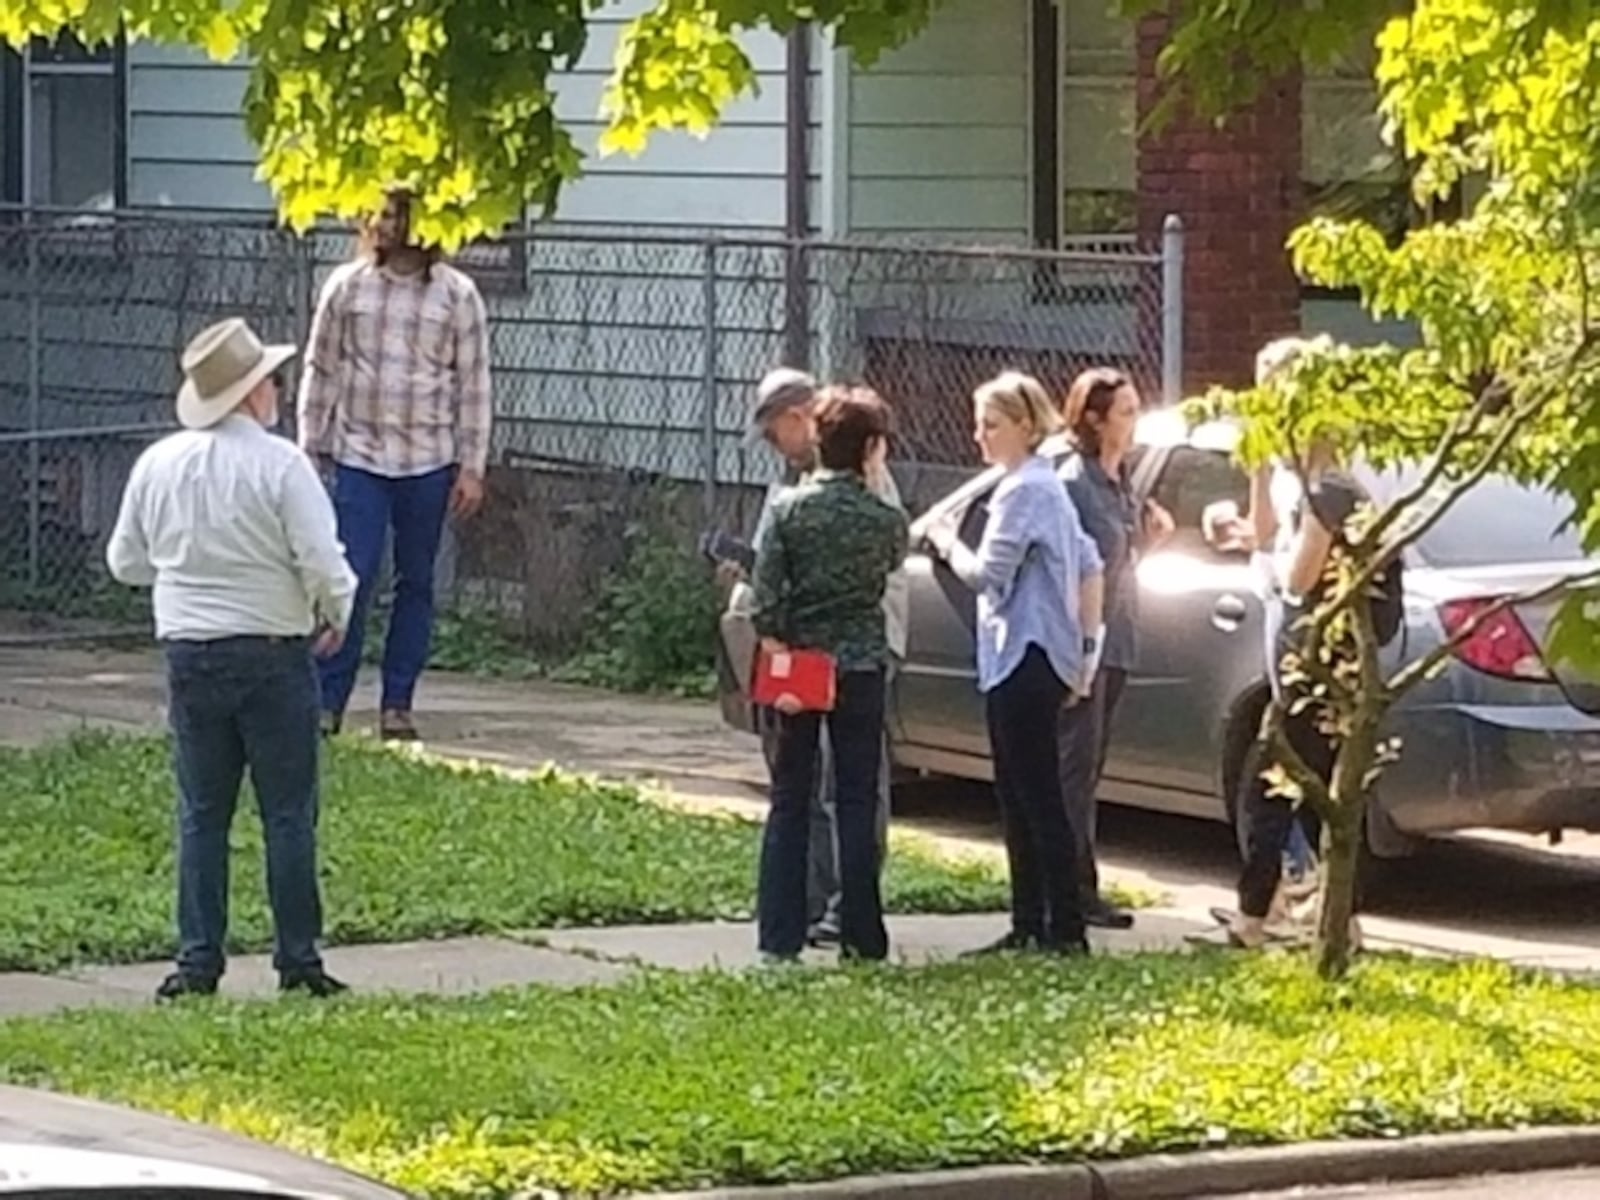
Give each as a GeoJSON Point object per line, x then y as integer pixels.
{"type": "Point", "coordinates": [1499, 522]}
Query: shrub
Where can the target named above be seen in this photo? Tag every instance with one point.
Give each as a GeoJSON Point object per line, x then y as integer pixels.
{"type": "Point", "coordinates": [656, 627]}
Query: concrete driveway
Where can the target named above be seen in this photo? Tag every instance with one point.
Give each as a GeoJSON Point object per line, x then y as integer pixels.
{"type": "Point", "coordinates": [1509, 898]}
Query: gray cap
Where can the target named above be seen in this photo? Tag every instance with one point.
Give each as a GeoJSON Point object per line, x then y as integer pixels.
{"type": "Point", "coordinates": [779, 391]}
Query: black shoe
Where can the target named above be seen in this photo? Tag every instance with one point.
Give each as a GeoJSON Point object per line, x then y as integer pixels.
{"type": "Point", "coordinates": [180, 984]}
{"type": "Point", "coordinates": [332, 724]}
{"type": "Point", "coordinates": [1015, 942]}
{"type": "Point", "coordinates": [314, 983]}
{"type": "Point", "coordinates": [1101, 915]}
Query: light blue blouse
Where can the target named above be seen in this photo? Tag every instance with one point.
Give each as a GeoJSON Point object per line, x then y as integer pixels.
{"type": "Point", "coordinates": [1027, 571]}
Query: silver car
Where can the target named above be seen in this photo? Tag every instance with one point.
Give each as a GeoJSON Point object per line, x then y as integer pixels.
{"type": "Point", "coordinates": [57, 1147]}
{"type": "Point", "coordinates": [1500, 740]}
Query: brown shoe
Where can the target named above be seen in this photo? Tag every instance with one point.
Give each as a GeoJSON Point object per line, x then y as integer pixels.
{"type": "Point", "coordinates": [396, 726]}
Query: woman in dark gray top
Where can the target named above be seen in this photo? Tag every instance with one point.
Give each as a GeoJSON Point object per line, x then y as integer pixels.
{"type": "Point", "coordinates": [1102, 410]}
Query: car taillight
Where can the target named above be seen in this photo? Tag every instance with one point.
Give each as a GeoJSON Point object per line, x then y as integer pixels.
{"type": "Point", "coordinates": [1501, 644]}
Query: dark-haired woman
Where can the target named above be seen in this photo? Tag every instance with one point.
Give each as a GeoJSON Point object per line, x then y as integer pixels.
{"type": "Point", "coordinates": [819, 581]}
{"type": "Point", "coordinates": [1102, 410]}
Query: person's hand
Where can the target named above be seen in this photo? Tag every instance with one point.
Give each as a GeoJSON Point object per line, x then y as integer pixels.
{"type": "Point", "coordinates": [1225, 530]}
{"type": "Point", "coordinates": [876, 467]}
{"type": "Point", "coordinates": [466, 497]}
{"type": "Point", "coordinates": [773, 646]}
{"type": "Point", "coordinates": [328, 643]}
{"type": "Point", "coordinates": [730, 573]}
{"type": "Point", "coordinates": [1158, 524]}
{"type": "Point", "coordinates": [940, 538]}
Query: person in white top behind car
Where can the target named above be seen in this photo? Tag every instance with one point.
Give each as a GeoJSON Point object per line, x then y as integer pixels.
{"type": "Point", "coordinates": [231, 527]}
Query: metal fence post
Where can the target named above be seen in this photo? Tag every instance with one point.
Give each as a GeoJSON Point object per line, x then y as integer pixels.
{"type": "Point", "coordinates": [35, 404]}
{"type": "Point", "coordinates": [709, 385]}
{"type": "Point", "coordinates": [1172, 309]}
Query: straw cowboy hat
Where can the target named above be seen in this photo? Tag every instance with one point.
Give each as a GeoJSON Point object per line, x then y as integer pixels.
{"type": "Point", "coordinates": [221, 366]}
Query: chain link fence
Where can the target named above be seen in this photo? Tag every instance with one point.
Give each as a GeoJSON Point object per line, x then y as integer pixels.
{"type": "Point", "coordinates": [624, 365]}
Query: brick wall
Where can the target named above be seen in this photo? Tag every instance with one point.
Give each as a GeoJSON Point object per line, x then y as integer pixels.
{"type": "Point", "coordinates": [1237, 189]}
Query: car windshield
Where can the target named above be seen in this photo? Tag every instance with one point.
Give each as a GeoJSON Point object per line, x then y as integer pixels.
{"type": "Point", "coordinates": [1498, 523]}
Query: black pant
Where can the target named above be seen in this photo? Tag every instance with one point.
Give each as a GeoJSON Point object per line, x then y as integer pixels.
{"type": "Point", "coordinates": [1269, 818]}
{"type": "Point", "coordinates": [1045, 900]}
{"type": "Point", "coordinates": [855, 732]}
{"type": "Point", "coordinates": [1082, 735]}
{"type": "Point", "coordinates": [245, 703]}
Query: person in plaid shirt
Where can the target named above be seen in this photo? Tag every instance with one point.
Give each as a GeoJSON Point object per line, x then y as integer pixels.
{"type": "Point", "coordinates": [395, 406]}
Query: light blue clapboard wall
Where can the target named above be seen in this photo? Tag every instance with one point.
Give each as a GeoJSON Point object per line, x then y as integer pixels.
{"type": "Point", "coordinates": [936, 143]}
{"type": "Point", "coordinates": [187, 145]}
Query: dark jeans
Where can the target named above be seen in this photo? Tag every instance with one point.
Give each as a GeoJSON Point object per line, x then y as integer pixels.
{"type": "Point", "coordinates": [238, 703]}
{"type": "Point", "coordinates": [1022, 711]}
{"type": "Point", "coordinates": [1083, 733]}
{"type": "Point", "coordinates": [369, 506]}
{"type": "Point", "coordinates": [855, 734]}
{"type": "Point", "coordinates": [1270, 820]}
{"type": "Point", "coordinates": [822, 862]}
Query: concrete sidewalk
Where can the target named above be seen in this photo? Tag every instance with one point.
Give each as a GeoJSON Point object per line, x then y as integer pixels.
{"type": "Point", "coordinates": [556, 958]}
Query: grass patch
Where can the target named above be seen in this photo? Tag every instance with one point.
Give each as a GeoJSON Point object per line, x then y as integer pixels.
{"type": "Point", "coordinates": [677, 1081]}
{"type": "Point", "coordinates": [410, 849]}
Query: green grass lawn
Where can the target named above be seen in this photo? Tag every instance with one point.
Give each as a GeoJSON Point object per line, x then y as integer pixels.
{"type": "Point", "coordinates": [410, 849]}
{"type": "Point", "coordinates": [673, 1081]}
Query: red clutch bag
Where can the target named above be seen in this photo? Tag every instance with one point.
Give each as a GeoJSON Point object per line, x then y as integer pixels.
{"type": "Point", "coordinates": [805, 677]}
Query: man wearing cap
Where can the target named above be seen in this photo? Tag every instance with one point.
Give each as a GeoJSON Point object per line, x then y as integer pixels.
{"type": "Point", "coordinates": [395, 405]}
{"type": "Point", "coordinates": [233, 530]}
{"type": "Point", "coordinates": [782, 418]}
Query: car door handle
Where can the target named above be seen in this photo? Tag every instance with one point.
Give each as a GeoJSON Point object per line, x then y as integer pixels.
{"type": "Point", "coordinates": [1228, 613]}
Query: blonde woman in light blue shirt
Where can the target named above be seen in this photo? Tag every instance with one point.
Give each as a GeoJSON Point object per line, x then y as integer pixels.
{"type": "Point", "coordinates": [1039, 581]}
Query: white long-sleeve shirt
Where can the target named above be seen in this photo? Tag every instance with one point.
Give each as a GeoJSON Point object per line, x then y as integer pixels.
{"type": "Point", "coordinates": [235, 533]}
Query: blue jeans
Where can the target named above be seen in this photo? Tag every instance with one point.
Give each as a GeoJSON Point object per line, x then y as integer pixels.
{"type": "Point", "coordinates": [237, 703]}
{"type": "Point", "coordinates": [368, 506]}
{"type": "Point", "coordinates": [855, 734]}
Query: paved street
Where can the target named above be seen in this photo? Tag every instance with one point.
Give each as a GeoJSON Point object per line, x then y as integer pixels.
{"type": "Point", "coordinates": [1523, 902]}
{"type": "Point", "coordinates": [1556, 1185]}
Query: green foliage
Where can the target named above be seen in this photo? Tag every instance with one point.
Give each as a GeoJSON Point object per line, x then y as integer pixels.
{"type": "Point", "coordinates": [410, 849]}
{"type": "Point", "coordinates": [656, 626]}
{"type": "Point", "coordinates": [689, 1081]}
{"type": "Point", "coordinates": [455, 98]}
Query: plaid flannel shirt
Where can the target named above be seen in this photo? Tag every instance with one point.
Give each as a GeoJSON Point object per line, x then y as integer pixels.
{"type": "Point", "coordinates": [396, 378]}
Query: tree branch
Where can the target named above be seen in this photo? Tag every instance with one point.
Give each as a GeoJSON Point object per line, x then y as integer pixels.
{"type": "Point", "coordinates": [1313, 788]}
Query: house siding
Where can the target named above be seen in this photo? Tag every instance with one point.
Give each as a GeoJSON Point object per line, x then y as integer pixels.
{"type": "Point", "coordinates": [600, 355]}
{"type": "Point", "coordinates": [187, 145]}
{"type": "Point", "coordinates": [938, 137]}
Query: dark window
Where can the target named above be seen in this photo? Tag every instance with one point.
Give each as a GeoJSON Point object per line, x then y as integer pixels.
{"type": "Point", "coordinates": [1193, 479]}
{"type": "Point", "coordinates": [62, 125]}
{"type": "Point", "coordinates": [1498, 523]}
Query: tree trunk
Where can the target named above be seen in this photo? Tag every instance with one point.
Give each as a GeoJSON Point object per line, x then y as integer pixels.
{"type": "Point", "coordinates": [1341, 839]}
{"type": "Point", "coordinates": [1341, 856]}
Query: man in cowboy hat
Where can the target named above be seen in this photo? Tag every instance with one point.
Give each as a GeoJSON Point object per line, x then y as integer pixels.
{"type": "Point", "coordinates": [233, 530]}
{"type": "Point", "coordinates": [395, 406]}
